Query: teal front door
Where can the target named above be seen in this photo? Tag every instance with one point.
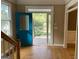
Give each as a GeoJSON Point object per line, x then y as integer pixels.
{"type": "Point", "coordinates": [24, 28]}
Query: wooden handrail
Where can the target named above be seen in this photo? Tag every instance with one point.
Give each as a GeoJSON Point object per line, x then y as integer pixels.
{"type": "Point", "coordinates": [7, 38]}
{"type": "Point", "coordinates": [15, 43]}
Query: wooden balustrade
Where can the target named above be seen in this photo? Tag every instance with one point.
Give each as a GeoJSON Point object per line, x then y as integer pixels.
{"type": "Point", "coordinates": [13, 42]}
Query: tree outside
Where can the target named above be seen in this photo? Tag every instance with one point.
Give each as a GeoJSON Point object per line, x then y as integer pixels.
{"type": "Point", "coordinates": [40, 24]}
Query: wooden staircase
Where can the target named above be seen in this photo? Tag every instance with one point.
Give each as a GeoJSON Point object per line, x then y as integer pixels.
{"type": "Point", "coordinates": [10, 48]}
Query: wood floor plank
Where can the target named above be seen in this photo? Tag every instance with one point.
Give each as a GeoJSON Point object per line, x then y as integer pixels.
{"type": "Point", "coordinates": [47, 52]}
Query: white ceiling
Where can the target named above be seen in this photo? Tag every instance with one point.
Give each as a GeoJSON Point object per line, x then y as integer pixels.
{"type": "Point", "coordinates": [40, 1]}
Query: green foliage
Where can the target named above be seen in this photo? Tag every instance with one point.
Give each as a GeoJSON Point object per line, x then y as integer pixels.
{"type": "Point", "coordinates": [39, 21]}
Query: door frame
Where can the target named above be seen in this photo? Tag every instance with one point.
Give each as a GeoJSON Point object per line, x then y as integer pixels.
{"type": "Point", "coordinates": [47, 21]}
{"type": "Point", "coordinates": [66, 24]}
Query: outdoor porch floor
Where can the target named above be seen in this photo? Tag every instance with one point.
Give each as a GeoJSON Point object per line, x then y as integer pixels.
{"type": "Point", "coordinates": [40, 40]}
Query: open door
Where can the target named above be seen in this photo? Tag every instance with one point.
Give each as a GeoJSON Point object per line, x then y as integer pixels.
{"type": "Point", "coordinates": [24, 28]}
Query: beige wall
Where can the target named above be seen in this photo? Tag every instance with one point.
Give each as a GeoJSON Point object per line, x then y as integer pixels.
{"type": "Point", "coordinates": [20, 8]}
{"type": "Point", "coordinates": [59, 11]}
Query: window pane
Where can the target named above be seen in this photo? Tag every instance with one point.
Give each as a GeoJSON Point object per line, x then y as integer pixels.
{"type": "Point", "coordinates": [24, 22]}
{"type": "Point", "coordinates": [5, 19]}
{"type": "Point", "coordinates": [5, 27]}
{"type": "Point", "coordinates": [4, 12]}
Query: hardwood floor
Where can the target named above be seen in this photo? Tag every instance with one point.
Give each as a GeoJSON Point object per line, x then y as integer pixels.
{"type": "Point", "coordinates": [44, 52]}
